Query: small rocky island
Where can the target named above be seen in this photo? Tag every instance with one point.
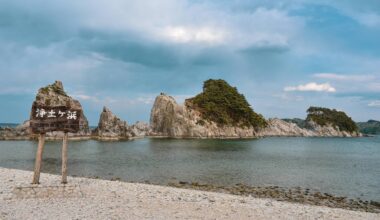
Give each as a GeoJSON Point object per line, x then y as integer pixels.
{"type": "Point", "coordinates": [111, 127]}
{"type": "Point", "coordinates": [220, 111]}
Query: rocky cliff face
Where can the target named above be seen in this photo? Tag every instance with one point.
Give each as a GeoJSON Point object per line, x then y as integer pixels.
{"type": "Point", "coordinates": [173, 120]}
{"type": "Point", "coordinates": [139, 129]}
{"type": "Point", "coordinates": [111, 127]}
{"type": "Point", "coordinates": [55, 95]}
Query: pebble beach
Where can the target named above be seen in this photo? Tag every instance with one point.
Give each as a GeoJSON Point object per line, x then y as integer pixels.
{"type": "Point", "coordinates": [84, 198]}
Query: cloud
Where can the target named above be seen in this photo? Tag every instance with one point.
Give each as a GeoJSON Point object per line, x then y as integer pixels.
{"type": "Point", "coordinates": [369, 19]}
{"type": "Point", "coordinates": [132, 50]}
{"type": "Point", "coordinates": [311, 87]}
{"type": "Point", "coordinates": [181, 34]}
{"type": "Point", "coordinates": [341, 77]}
{"type": "Point", "coordinates": [375, 103]}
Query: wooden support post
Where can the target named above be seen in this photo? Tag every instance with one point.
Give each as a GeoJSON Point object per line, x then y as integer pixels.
{"type": "Point", "coordinates": [37, 165]}
{"type": "Point", "coordinates": [64, 158]}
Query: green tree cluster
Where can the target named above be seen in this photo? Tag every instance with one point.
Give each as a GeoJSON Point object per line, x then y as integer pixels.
{"type": "Point", "coordinates": [221, 103]}
{"type": "Point", "coordinates": [325, 116]}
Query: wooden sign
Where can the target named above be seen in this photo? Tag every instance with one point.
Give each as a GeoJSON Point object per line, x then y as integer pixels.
{"type": "Point", "coordinates": [60, 118]}
{"type": "Point", "coordinates": [46, 119]}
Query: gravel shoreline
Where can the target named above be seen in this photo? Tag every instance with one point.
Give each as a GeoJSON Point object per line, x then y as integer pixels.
{"type": "Point", "coordinates": [294, 194]}
{"type": "Point", "coordinates": [85, 198]}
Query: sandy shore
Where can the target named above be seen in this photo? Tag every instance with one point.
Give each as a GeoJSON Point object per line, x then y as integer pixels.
{"type": "Point", "coordinates": [86, 198]}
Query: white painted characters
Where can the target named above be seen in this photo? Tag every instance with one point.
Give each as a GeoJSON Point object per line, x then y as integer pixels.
{"type": "Point", "coordinates": [70, 115]}
{"type": "Point", "coordinates": [40, 113]}
{"type": "Point", "coordinates": [61, 114]}
{"type": "Point", "coordinates": [51, 114]}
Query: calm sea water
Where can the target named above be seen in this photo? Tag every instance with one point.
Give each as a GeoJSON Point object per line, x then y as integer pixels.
{"type": "Point", "coordinates": [342, 166]}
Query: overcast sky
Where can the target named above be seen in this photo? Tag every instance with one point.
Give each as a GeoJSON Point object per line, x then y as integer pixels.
{"type": "Point", "coordinates": [284, 56]}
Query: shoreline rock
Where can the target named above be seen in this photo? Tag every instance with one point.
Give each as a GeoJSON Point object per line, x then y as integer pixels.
{"type": "Point", "coordinates": [294, 194]}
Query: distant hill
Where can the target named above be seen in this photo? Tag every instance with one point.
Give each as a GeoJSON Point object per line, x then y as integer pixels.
{"type": "Point", "coordinates": [369, 127]}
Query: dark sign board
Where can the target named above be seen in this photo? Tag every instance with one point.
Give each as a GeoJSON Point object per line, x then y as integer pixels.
{"type": "Point", "coordinates": [59, 118]}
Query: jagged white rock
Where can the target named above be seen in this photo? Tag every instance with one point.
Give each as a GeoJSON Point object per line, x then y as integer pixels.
{"type": "Point", "coordinates": [111, 127]}
{"type": "Point", "coordinates": [171, 119]}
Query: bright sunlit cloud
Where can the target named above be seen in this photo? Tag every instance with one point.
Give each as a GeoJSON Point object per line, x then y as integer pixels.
{"type": "Point", "coordinates": [188, 35]}
{"type": "Point", "coordinates": [311, 87]}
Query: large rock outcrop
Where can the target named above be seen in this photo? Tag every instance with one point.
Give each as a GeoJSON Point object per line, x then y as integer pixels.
{"type": "Point", "coordinates": [55, 95]}
{"type": "Point", "coordinates": [111, 127]}
{"type": "Point", "coordinates": [219, 111]}
{"type": "Point", "coordinates": [173, 120]}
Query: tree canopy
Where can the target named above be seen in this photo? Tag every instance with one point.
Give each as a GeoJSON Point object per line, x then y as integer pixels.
{"type": "Point", "coordinates": [221, 103]}
{"type": "Point", "coordinates": [325, 116]}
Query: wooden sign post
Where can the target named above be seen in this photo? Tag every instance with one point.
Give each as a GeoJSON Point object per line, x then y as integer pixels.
{"type": "Point", "coordinates": [37, 165]}
{"type": "Point", "coordinates": [47, 119]}
{"type": "Point", "coordinates": [64, 158]}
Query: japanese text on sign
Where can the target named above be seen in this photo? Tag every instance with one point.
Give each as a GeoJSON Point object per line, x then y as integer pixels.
{"type": "Point", "coordinates": [41, 113]}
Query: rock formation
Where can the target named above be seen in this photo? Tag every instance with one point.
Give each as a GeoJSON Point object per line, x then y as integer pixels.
{"type": "Point", "coordinates": [21, 132]}
{"type": "Point", "coordinates": [55, 95]}
{"type": "Point", "coordinates": [219, 111]}
{"type": "Point", "coordinates": [139, 129]}
{"type": "Point", "coordinates": [111, 127]}
{"type": "Point", "coordinates": [173, 120]}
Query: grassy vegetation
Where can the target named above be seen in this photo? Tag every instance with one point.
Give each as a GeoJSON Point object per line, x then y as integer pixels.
{"type": "Point", "coordinates": [54, 88]}
{"type": "Point", "coordinates": [221, 103]}
{"type": "Point", "coordinates": [325, 116]}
